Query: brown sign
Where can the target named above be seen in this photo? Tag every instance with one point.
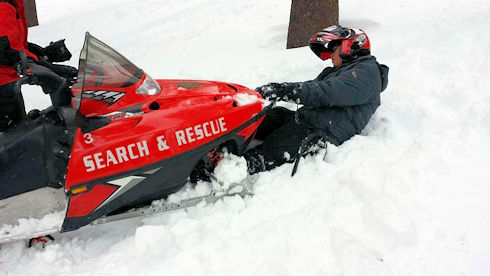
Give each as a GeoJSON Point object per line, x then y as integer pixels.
{"type": "Point", "coordinates": [31, 13]}
{"type": "Point", "coordinates": [309, 17]}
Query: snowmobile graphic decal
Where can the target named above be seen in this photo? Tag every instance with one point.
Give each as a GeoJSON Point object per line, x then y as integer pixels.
{"type": "Point", "coordinates": [109, 97]}
{"type": "Point", "coordinates": [125, 184]}
{"type": "Point", "coordinates": [118, 115]}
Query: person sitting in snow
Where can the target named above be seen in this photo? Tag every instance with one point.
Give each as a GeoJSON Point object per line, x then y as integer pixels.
{"type": "Point", "coordinates": [336, 105]}
{"type": "Point", "coordinates": [41, 71]}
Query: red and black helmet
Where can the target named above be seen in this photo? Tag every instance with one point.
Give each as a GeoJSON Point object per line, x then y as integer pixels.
{"type": "Point", "coordinates": [354, 42]}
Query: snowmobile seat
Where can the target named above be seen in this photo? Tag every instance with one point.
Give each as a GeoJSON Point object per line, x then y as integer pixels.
{"type": "Point", "coordinates": [28, 155]}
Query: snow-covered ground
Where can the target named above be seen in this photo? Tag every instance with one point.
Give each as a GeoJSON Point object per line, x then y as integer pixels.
{"type": "Point", "coordinates": [411, 196]}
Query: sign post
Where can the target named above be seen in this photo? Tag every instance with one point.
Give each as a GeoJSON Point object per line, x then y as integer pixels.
{"type": "Point", "coordinates": [308, 17]}
{"type": "Point", "coordinates": [31, 13]}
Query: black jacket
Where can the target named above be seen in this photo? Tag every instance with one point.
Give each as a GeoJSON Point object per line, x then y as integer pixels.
{"type": "Point", "coordinates": [340, 101]}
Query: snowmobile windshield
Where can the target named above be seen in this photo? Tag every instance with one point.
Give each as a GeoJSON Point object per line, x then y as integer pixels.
{"type": "Point", "coordinates": [102, 66]}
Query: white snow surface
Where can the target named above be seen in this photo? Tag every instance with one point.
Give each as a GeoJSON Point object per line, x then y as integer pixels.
{"type": "Point", "coordinates": [410, 196]}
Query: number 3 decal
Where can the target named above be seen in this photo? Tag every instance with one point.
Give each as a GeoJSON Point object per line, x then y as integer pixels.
{"type": "Point", "coordinates": [88, 138]}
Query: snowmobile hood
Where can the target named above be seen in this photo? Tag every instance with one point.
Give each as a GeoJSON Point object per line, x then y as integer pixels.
{"type": "Point", "coordinates": [172, 93]}
{"type": "Point", "coordinates": [108, 83]}
{"type": "Point", "coordinates": [198, 87]}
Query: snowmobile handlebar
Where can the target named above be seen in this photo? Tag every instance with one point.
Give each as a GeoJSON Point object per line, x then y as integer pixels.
{"type": "Point", "coordinates": [36, 74]}
{"type": "Point", "coordinates": [23, 80]}
{"type": "Point", "coordinates": [50, 82]}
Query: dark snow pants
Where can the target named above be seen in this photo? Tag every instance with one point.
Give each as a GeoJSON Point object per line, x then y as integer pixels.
{"type": "Point", "coordinates": [282, 136]}
{"type": "Point", "coordinates": [12, 108]}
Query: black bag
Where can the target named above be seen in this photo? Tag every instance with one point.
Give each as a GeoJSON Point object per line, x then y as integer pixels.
{"type": "Point", "coordinates": [57, 51]}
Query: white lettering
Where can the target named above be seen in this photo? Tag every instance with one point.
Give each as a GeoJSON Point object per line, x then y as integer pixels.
{"type": "Point", "coordinates": [99, 160]}
{"type": "Point", "coordinates": [130, 150]}
{"type": "Point", "coordinates": [198, 131]}
{"type": "Point", "coordinates": [189, 133]}
{"type": "Point", "coordinates": [89, 164]}
{"type": "Point", "coordinates": [116, 156]}
{"type": "Point", "coordinates": [143, 148]}
{"type": "Point", "coordinates": [215, 131]}
{"type": "Point", "coordinates": [110, 158]}
{"type": "Point", "coordinates": [222, 124]}
{"type": "Point", "coordinates": [162, 143]}
{"type": "Point", "coordinates": [180, 137]}
{"type": "Point", "coordinates": [206, 133]}
{"type": "Point", "coordinates": [121, 154]}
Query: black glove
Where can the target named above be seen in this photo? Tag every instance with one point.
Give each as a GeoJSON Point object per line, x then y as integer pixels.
{"type": "Point", "coordinates": [287, 91]}
{"type": "Point", "coordinates": [266, 90]}
{"type": "Point", "coordinates": [35, 49]}
{"type": "Point", "coordinates": [47, 79]}
{"type": "Point", "coordinates": [57, 51]}
{"type": "Point", "coordinates": [65, 71]}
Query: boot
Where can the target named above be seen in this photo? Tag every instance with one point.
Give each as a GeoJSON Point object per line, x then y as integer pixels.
{"type": "Point", "coordinates": [33, 114]}
{"type": "Point", "coordinates": [255, 161]}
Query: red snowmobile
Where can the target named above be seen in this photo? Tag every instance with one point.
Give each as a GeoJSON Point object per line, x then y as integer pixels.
{"type": "Point", "coordinates": [129, 140]}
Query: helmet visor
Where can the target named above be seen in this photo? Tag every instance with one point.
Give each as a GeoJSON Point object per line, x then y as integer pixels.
{"type": "Point", "coordinates": [323, 49]}
{"type": "Point", "coordinates": [317, 47]}
{"type": "Point", "coordinates": [338, 31]}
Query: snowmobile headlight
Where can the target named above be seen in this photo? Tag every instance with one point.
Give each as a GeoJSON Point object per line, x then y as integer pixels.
{"type": "Point", "coordinates": [149, 87]}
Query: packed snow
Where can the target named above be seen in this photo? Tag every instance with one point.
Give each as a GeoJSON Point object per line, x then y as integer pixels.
{"type": "Point", "coordinates": [410, 196]}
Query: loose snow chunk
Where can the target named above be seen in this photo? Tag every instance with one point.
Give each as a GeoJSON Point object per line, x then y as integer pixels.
{"type": "Point", "coordinates": [232, 169]}
{"type": "Point", "coordinates": [245, 99]}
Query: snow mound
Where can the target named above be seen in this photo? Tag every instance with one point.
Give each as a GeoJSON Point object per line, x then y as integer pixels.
{"type": "Point", "coordinates": [231, 169]}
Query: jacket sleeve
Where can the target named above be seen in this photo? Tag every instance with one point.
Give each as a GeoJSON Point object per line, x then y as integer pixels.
{"type": "Point", "coordinates": [351, 87]}
{"type": "Point", "coordinates": [8, 27]}
{"type": "Point", "coordinates": [324, 73]}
